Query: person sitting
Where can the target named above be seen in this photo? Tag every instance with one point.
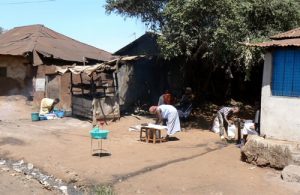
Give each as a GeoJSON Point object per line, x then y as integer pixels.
{"type": "Point", "coordinates": [165, 98]}
{"type": "Point", "coordinates": [47, 105]}
{"type": "Point", "coordinates": [223, 118]}
{"type": "Point", "coordinates": [186, 103]}
{"type": "Point", "coordinates": [169, 113]}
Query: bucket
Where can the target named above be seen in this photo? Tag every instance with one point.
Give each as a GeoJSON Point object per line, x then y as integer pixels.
{"type": "Point", "coordinates": [35, 116]}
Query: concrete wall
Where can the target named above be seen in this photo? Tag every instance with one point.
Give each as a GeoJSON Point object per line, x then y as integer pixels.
{"type": "Point", "coordinates": [279, 115]}
{"type": "Point", "coordinates": [18, 73]}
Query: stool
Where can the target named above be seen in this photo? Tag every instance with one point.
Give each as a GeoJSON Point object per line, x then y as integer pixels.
{"type": "Point", "coordinates": [145, 131]}
{"type": "Point", "coordinates": [100, 149]}
{"type": "Point", "coordinates": [154, 135]}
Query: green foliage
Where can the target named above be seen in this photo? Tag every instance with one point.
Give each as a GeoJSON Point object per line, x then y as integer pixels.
{"type": "Point", "coordinates": [104, 190]}
{"type": "Point", "coordinates": [213, 30]}
{"type": "Point", "coordinates": [150, 12]}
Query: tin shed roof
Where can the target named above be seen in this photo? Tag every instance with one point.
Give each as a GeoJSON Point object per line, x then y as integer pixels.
{"type": "Point", "coordinates": [287, 39]}
{"type": "Point", "coordinates": [42, 41]}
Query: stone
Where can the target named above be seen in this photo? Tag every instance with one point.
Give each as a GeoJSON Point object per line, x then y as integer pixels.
{"type": "Point", "coordinates": [64, 189]}
{"type": "Point", "coordinates": [17, 170]}
{"type": "Point", "coordinates": [29, 166]}
{"type": "Point", "coordinates": [18, 163]}
{"type": "Point", "coordinates": [2, 162]}
{"type": "Point", "coordinates": [274, 153]}
{"type": "Point", "coordinates": [5, 169]}
{"type": "Point", "coordinates": [291, 173]}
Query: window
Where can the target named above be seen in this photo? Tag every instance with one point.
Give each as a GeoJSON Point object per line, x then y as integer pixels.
{"type": "Point", "coordinates": [286, 73]}
{"type": "Point", "coordinates": [3, 72]}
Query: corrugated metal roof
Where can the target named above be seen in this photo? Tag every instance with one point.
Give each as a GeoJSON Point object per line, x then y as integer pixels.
{"type": "Point", "coordinates": [294, 33]}
{"type": "Point", "coordinates": [40, 40]}
{"type": "Point", "coordinates": [277, 43]}
{"type": "Point", "coordinates": [287, 39]}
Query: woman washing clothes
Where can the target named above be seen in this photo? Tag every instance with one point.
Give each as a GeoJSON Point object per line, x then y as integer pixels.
{"type": "Point", "coordinates": [169, 113]}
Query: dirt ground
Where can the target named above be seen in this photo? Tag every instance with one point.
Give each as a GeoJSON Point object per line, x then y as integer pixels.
{"type": "Point", "coordinates": [196, 162]}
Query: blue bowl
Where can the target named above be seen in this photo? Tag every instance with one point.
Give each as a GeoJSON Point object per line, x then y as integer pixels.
{"type": "Point", "coordinates": [59, 113]}
{"type": "Point", "coordinates": [97, 133]}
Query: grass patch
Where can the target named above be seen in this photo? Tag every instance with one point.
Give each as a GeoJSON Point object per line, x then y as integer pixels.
{"type": "Point", "coordinates": [104, 190]}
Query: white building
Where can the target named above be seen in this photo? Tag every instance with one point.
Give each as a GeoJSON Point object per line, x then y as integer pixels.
{"type": "Point", "coordinates": [280, 101]}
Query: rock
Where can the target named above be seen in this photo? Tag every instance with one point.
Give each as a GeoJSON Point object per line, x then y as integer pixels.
{"type": "Point", "coordinates": [291, 173]}
{"type": "Point", "coordinates": [29, 177]}
{"type": "Point", "coordinates": [18, 163]}
{"type": "Point", "coordinates": [17, 170]}
{"type": "Point", "coordinates": [64, 189]}
{"type": "Point", "coordinates": [29, 166]}
{"type": "Point", "coordinates": [2, 162]}
{"type": "Point", "coordinates": [5, 169]}
{"type": "Point", "coordinates": [273, 153]}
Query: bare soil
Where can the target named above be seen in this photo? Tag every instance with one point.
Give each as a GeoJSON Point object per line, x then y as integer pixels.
{"type": "Point", "coordinates": [195, 162]}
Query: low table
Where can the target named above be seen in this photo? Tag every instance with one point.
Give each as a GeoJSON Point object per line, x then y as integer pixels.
{"type": "Point", "coordinates": [152, 133]}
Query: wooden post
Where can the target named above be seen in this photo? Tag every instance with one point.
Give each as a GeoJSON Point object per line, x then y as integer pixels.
{"type": "Point", "coordinates": [71, 76]}
{"type": "Point", "coordinates": [82, 90]}
{"type": "Point", "coordinates": [239, 131]}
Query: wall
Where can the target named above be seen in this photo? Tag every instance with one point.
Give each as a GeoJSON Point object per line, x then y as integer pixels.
{"type": "Point", "coordinates": [141, 82]}
{"type": "Point", "coordinates": [63, 84]}
{"type": "Point", "coordinates": [18, 74]}
{"type": "Point", "coordinates": [279, 115]}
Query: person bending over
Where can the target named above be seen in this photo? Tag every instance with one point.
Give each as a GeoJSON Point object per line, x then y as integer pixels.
{"type": "Point", "coordinates": [47, 105]}
{"type": "Point", "coordinates": [222, 115]}
{"type": "Point", "coordinates": [169, 113]}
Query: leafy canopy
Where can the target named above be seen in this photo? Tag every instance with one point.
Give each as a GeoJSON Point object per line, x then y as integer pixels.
{"type": "Point", "coordinates": [212, 29]}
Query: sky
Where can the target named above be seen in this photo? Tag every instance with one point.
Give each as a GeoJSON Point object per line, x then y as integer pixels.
{"type": "Point", "coordinates": [83, 20]}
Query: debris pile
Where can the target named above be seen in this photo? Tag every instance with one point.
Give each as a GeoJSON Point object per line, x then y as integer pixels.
{"type": "Point", "coordinates": [31, 172]}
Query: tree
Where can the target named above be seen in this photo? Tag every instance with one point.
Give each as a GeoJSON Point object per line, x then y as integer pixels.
{"type": "Point", "coordinates": [209, 33]}
{"type": "Point", "coordinates": [210, 29]}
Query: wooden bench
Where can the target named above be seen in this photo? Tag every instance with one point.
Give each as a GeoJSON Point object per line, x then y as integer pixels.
{"type": "Point", "coordinates": [150, 134]}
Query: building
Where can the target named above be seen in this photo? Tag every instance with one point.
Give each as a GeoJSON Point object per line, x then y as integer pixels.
{"type": "Point", "coordinates": [28, 59]}
{"type": "Point", "coordinates": [280, 100]}
{"type": "Point", "coordinates": [143, 81]}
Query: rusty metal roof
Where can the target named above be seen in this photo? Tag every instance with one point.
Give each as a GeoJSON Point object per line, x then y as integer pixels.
{"type": "Point", "coordinates": [295, 33]}
{"type": "Point", "coordinates": [42, 41]}
{"type": "Point", "coordinates": [277, 43]}
{"type": "Point", "coordinates": [287, 39]}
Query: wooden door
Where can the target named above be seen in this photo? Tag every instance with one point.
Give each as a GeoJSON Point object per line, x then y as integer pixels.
{"type": "Point", "coordinates": [52, 86]}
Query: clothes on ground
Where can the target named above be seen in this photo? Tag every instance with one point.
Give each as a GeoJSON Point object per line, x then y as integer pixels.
{"type": "Point", "coordinates": [46, 105]}
{"type": "Point", "coordinates": [249, 128]}
{"type": "Point", "coordinates": [170, 113]}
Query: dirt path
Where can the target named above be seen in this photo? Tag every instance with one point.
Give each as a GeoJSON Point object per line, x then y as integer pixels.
{"type": "Point", "coordinates": [197, 163]}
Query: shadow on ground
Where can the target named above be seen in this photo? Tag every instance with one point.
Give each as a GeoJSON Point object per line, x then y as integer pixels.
{"type": "Point", "coordinates": [11, 141]}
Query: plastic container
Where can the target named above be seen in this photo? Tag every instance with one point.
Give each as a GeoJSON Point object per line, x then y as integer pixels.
{"type": "Point", "coordinates": [97, 133]}
{"type": "Point", "coordinates": [59, 113]}
{"type": "Point", "coordinates": [35, 116]}
{"type": "Point", "coordinates": [42, 118]}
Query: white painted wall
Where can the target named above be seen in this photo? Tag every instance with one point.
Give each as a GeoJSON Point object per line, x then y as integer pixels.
{"type": "Point", "coordinates": [280, 116]}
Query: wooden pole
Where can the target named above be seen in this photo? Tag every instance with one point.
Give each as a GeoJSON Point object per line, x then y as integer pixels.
{"type": "Point", "coordinates": [239, 131]}
{"type": "Point", "coordinates": [82, 90]}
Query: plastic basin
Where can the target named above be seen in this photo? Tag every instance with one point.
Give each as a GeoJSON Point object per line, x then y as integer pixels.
{"type": "Point", "coordinates": [97, 133]}
{"type": "Point", "coordinates": [35, 116]}
{"type": "Point", "coordinates": [59, 113]}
